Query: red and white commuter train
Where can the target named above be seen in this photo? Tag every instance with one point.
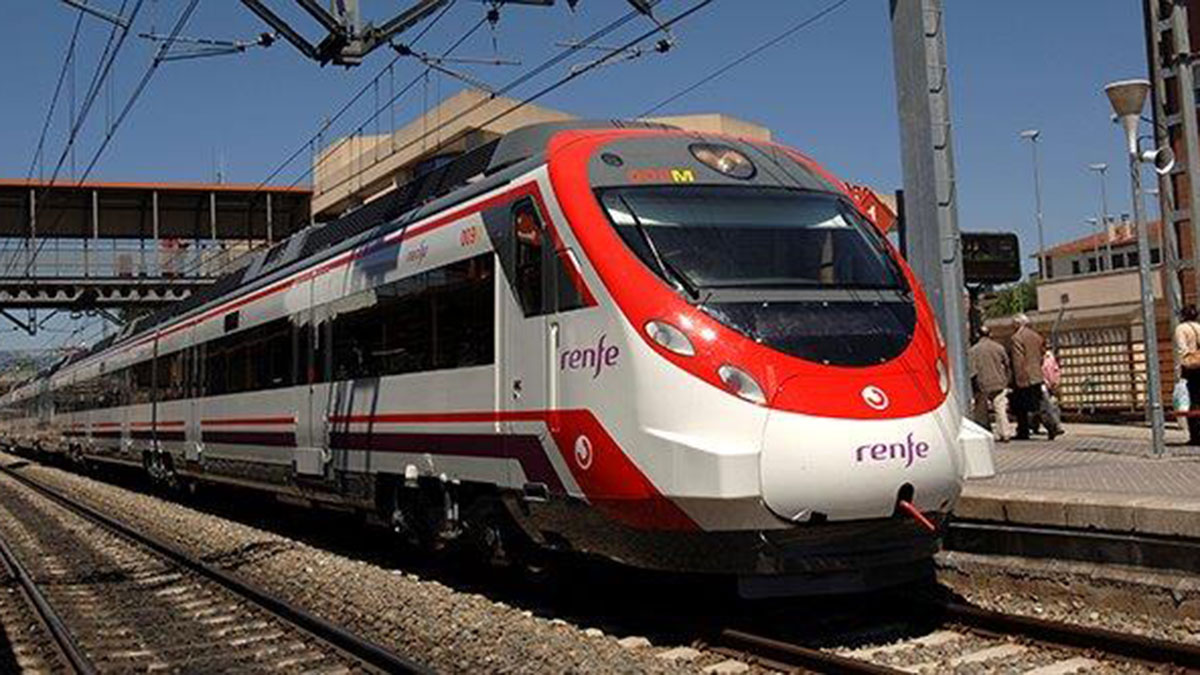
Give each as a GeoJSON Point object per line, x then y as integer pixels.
{"type": "Point", "coordinates": [677, 350]}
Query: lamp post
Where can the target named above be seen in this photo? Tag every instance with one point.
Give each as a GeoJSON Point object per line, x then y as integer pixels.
{"type": "Point", "coordinates": [1032, 135]}
{"type": "Point", "coordinates": [1101, 168]}
{"type": "Point", "coordinates": [1127, 98]}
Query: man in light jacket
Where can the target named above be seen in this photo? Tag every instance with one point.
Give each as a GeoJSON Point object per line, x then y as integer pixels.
{"type": "Point", "coordinates": [990, 377]}
{"type": "Point", "coordinates": [1026, 354]}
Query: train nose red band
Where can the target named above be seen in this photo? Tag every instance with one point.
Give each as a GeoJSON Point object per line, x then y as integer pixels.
{"type": "Point", "coordinates": [916, 514]}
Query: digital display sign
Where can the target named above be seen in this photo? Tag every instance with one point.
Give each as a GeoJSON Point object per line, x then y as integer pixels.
{"type": "Point", "coordinates": [991, 257]}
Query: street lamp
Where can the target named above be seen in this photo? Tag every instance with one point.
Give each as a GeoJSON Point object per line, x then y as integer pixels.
{"type": "Point", "coordinates": [1101, 168]}
{"type": "Point", "coordinates": [1128, 97]}
{"type": "Point", "coordinates": [1032, 135]}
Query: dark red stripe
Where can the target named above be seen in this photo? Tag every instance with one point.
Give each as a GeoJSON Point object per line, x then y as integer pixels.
{"type": "Point", "coordinates": [269, 438]}
{"type": "Point", "coordinates": [527, 450]}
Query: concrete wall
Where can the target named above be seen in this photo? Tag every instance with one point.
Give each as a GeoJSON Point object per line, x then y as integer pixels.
{"type": "Point", "coordinates": [1094, 290]}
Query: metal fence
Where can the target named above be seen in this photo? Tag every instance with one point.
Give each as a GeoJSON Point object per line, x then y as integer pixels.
{"type": "Point", "coordinates": [1103, 371]}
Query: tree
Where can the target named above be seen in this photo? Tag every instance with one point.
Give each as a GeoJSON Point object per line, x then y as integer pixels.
{"type": "Point", "coordinates": [1020, 297]}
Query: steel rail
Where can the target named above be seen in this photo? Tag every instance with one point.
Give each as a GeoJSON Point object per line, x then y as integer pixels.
{"type": "Point", "coordinates": [63, 639]}
{"type": "Point", "coordinates": [354, 645]}
{"type": "Point", "coordinates": [804, 657]}
{"type": "Point", "coordinates": [772, 652]}
{"type": "Point", "coordinates": [1104, 640]}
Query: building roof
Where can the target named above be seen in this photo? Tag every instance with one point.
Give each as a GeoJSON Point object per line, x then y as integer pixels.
{"type": "Point", "coordinates": [1121, 235]}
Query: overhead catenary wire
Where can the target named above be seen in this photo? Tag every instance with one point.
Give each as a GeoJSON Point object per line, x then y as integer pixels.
{"type": "Point", "coordinates": [529, 75]}
{"type": "Point", "coordinates": [103, 67]}
{"type": "Point", "coordinates": [746, 56]}
{"type": "Point", "coordinates": [549, 63]}
{"type": "Point", "coordinates": [73, 125]}
{"type": "Point", "coordinates": [159, 56]}
{"type": "Point", "coordinates": [155, 62]}
{"type": "Point", "coordinates": [68, 60]}
{"type": "Point", "coordinates": [315, 141]}
{"type": "Point", "coordinates": [98, 79]}
{"type": "Point", "coordinates": [329, 121]}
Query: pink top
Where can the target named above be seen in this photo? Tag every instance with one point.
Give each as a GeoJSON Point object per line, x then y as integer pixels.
{"type": "Point", "coordinates": [1051, 373]}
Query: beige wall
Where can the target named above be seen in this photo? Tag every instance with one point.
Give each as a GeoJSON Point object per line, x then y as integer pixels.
{"type": "Point", "coordinates": [353, 170]}
{"type": "Point", "coordinates": [1094, 290]}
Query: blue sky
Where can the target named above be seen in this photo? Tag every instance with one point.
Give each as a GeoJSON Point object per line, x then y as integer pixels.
{"type": "Point", "coordinates": [827, 90]}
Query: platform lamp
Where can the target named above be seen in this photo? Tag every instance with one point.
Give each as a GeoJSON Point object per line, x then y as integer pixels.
{"type": "Point", "coordinates": [1128, 97]}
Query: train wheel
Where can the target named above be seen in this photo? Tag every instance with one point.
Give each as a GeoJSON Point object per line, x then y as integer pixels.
{"type": "Point", "coordinates": [491, 536]}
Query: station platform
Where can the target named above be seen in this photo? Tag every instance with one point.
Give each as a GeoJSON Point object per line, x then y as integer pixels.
{"type": "Point", "coordinates": [1095, 493]}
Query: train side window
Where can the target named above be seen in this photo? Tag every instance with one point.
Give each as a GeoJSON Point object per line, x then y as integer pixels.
{"type": "Point", "coordinates": [530, 237]}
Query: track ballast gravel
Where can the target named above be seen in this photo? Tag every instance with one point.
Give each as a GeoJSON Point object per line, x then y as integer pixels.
{"type": "Point", "coordinates": [447, 630]}
{"type": "Point", "coordinates": [130, 609]}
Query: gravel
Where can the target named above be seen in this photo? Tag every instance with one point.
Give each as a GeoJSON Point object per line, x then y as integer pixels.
{"type": "Point", "coordinates": [446, 629]}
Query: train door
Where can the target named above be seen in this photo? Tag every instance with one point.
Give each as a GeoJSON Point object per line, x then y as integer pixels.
{"type": "Point", "coordinates": [526, 326]}
{"type": "Point", "coordinates": [312, 391]}
{"type": "Point", "coordinates": [193, 444]}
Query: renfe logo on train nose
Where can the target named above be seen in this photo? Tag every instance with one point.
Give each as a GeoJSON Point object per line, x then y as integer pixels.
{"type": "Point", "coordinates": [908, 451]}
{"type": "Point", "coordinates": [594, 359]}
{"type": "Point", "coordinates": [875, 397]}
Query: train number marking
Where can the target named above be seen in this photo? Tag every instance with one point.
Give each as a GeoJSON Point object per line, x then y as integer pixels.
{"type": "Point", "coordinates": [469, 236]}
{"type": "Point", "coordinates": [583, 452]}
{"type": "Point", "coordinates": [875, 397]}
{"type": "Point", "coordinates": [661, 175]}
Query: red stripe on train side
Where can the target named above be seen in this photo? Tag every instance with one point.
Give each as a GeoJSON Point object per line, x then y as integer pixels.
{"type": "Point", "coordinates": [609, 479]}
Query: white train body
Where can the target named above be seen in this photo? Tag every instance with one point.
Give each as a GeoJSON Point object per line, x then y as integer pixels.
{"type": "Point", "coordinates": [499, 351]}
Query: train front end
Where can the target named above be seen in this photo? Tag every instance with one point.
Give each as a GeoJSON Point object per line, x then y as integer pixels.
{"type": "Point", "coordinates": [786, 392]}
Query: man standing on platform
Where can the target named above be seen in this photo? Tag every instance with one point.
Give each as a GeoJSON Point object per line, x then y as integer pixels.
{"type": "Point", "coordinates": [990, 375]}
{"type": "Point", "coordinates": [1026, 352]}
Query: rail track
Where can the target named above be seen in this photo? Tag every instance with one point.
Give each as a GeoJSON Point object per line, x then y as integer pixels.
{"type": "Point", "coordinates": [114, 599]}
{"type": "Point", "coordinates": [971, 639]}
{"type": "Point", "coordinates": [937, 636]}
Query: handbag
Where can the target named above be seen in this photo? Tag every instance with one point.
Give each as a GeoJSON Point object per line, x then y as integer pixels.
{"type": "Point", "coordinates": [1191, 360]}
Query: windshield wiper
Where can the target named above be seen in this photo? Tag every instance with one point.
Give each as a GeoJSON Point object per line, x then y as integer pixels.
{"type": "Point", "coordinates": [667, 268]}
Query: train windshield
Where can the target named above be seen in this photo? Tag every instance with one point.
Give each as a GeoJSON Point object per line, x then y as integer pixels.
{"type": "Point", "coordinates": [718, 237]}
{"type": "Point", "coordinates": [798, 270]}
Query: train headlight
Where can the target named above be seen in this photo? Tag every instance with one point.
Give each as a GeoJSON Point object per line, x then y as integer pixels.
{"type": "Point", "coordinates": [943, 377]}
{"type": "Point", "coordinates": [724, 159]}
{"type": "Point", "coordinates": [740, 383]}
{"type": "Point", "coordinates": [670, 337]}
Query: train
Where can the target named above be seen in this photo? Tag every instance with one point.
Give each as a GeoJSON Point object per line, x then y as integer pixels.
{"type": "Point", "coordinates": [676, 350]}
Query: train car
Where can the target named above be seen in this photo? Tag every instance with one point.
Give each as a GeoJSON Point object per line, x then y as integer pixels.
{"type": "Point", "coordinates": [676, 350]}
